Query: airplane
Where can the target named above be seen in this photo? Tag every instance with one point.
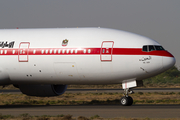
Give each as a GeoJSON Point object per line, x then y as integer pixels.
{"type": "Point", "coordinates": [42, 62]}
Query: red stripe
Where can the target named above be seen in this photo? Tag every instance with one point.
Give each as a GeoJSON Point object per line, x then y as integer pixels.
{"type": "Point", "coordinates": [93, 51]}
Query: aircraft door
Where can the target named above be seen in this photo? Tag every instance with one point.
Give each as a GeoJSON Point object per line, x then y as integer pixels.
{"type": "Point", "coordinates": [106, 50]}
{"type": "Point", "coordinates": [23, 52]}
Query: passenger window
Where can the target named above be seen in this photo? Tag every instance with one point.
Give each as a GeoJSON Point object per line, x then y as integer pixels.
{"type": "Point", "coordinates": [46, 51]}
{"type": "Point", "coordinates": [34, 51]}
{"type": "Point", "coordinates": [89, 50]}
{"type": "Point", "coordinates": [59, 51]}
{"type": "Point", "coordinates": [50, 51]}
{"type": "Point", "coordinates": [67, 51]}
{"type": "Point", "coordinates": [145, 48]}
{"type": "Point", "coordinates": [103, 50]}
{"type": "Point", "coordinates": [63, 51]}
{"type": "Point", "coordinates": [54, 51]}
{"type": "Point", "coordinates": [76, 51]}
{"type": "Point", "coordinates": [151, 48]}
{"type": "Point", "coordinates": [5, 52]}
{"type": "Point", "coordinates": [42, 51]}
{"type": "Point", "coordinates": [71, 51]}
{"type": "Point", "coordinates": [13, 51]}
{"type": "Point", "coordinates": [84, 50]}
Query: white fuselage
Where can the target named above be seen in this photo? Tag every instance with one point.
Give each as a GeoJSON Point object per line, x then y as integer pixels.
{"type": "Point", "coordinates": [77, 56]}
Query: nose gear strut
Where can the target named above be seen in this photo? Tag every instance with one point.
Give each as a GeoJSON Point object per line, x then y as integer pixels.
{"type": "Point", "coordinates": [127, 100]}
{"type": "Point", "coordinates": [128, 91]}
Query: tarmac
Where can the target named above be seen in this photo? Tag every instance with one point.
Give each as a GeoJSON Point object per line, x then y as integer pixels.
{"type": "Point", "coordinates": [105, 111]}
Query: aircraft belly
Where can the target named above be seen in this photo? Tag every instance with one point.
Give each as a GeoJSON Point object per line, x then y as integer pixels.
{"type": "Point", "coordinates": [74, 69]}
{"type": "Point", "coordinates": [66, 71]}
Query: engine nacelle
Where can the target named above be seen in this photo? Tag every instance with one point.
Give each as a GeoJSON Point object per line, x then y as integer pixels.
{"type": "Point", "coordinates": [4, 77]}
{"type": "Point", "coordinates": [43, 90]}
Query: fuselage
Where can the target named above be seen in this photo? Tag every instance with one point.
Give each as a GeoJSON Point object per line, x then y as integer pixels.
{"type": "Point", "coordinates": [78, 56]}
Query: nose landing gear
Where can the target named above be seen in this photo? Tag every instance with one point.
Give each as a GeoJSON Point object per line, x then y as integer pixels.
{"type": "Point", "coordinates": [127, 85]}
{"type": "Point", "coordinates": [127, 100]}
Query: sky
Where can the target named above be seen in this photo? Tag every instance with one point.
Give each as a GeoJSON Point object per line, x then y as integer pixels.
{"type": "Point", "coordinates": [156, 19]}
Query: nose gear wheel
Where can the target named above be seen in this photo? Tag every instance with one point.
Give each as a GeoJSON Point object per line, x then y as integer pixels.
{"type": "Point", "coordinates": [127, 100]}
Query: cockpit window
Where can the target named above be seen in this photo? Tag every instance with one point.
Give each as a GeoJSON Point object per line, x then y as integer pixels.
{"type": "Point", "coordinates": [151, 48]}
{"type": "Point", "coordinates": [145, 48]}
{"type": "Point", "coordinates": [159, 48]}
{"type": "Point", "coordinates": [148, 48]}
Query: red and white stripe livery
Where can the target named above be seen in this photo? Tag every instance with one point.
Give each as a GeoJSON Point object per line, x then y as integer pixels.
{"type": "Point", "coordinates": [89, 56]}
{"type": "Point", "coordinates": [42, 62]}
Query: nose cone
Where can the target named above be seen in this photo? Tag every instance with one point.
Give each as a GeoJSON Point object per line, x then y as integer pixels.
{"type": "Point", "coordinates": [168, 62]}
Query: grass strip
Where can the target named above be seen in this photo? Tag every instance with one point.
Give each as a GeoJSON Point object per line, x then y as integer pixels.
{"type": "Point", "coordinates": [90, 98]}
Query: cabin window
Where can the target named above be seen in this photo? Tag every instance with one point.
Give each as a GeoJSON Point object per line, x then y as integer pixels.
{"type": "Point", "coordinates": [54, 51]}
{"type": "Point", "coordinates": [5, 52]}
{"type": "Point", "coordinates": [84, 50]}
{"type": "Point", "coordinates": [59, 51]}
{"type": "Point", "coordinates": [103, 50]}
{"type": "Point", "coordinates": [42, 51]}
{"type": "Point", "coordinates": [13, 51]}
{"type": "Point", "coordinates": [34, 51]}
{"type": "Point", "coordinates": [89, 50]}
{"type": "Point", "coordinates": [71, 51]}
{"type": "Point", "coordinates": [50, 51]}
{"type": "Point", "coordinates": [20, 51]}
{"type": "Point", "coordinates": [63, 51]}
{"type": "Point", "coordinates": [76, 51]}
{"type": "Point", "coordinates": [67, 51]}
{"type": "Point", "coordinates": [46, 51]}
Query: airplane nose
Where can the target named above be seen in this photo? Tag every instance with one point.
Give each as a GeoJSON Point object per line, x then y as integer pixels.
{"type": "Point", "coordinates": [168, 62]}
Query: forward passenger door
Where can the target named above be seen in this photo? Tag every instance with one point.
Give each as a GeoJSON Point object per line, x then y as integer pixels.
{"type": "Point", "coordinates": [106, 51]}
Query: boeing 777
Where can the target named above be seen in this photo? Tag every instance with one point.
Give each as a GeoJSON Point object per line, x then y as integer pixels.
{"type": "Point", "coordinates": [42, 62]}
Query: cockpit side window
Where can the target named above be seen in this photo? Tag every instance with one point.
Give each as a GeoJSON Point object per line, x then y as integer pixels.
{"type": "Point", "coordinates": [145, 48]}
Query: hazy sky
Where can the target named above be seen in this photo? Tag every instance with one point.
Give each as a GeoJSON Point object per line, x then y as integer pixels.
{"type": "Point", "coordinates": [156, 19]}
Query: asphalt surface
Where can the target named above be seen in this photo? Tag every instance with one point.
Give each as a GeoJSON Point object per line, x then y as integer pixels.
{"type": "Point", "coordinates": [105, 111]}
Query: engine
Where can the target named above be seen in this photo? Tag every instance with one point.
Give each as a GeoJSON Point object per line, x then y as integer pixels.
{"type": "Point", "coordinates": [43, 90]}
{"type": "Point", "coordinates": [4, 77]}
